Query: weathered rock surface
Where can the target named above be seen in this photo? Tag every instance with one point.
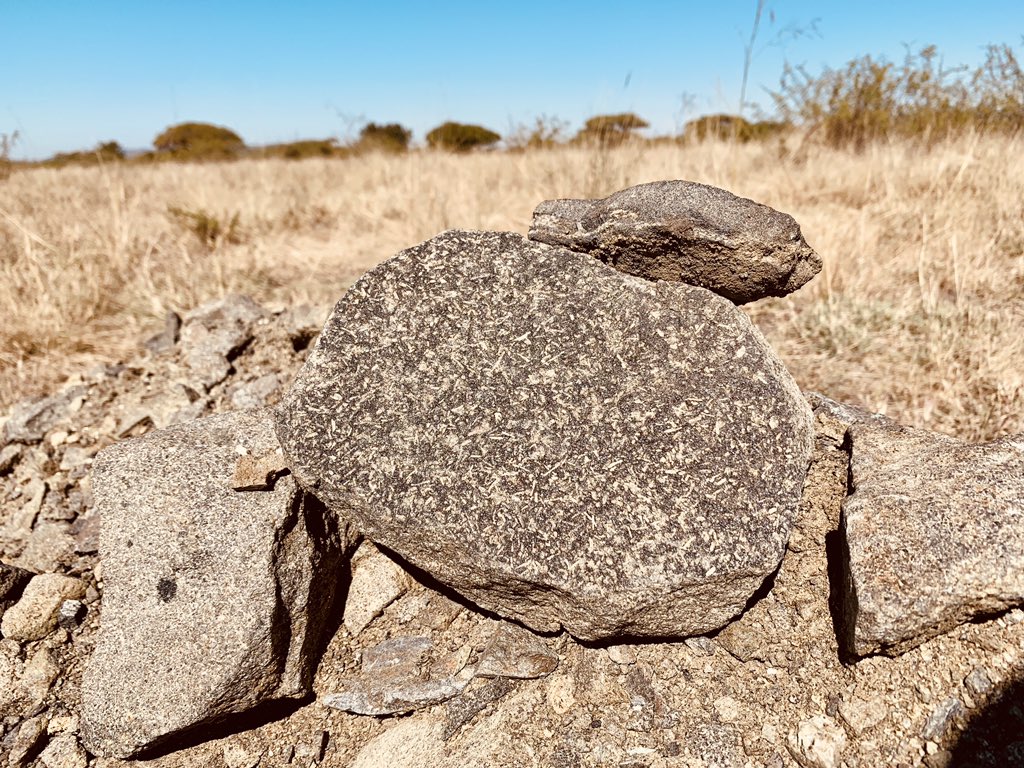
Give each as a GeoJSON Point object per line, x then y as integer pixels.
{"type": "Point", "coordinates": [686, 232]}
{"type": "Point", "coordinates": [35, 615]}
{"type": "Point", "coordinates": [934, 529]}
{"type": "Point", "coordinates": [561, 443]}
{"type": "Point", "coordinates": [214, 599]}
{"type": "Point", "coordinates": [399, 676]}
{"type": "Point", "coordinates": [214, 333]}
{"type": "Point", "coordinates": [377, 581]}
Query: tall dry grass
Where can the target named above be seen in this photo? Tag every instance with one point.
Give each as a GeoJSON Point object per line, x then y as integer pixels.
{"type": "Point", "coordinates": [918, 312]}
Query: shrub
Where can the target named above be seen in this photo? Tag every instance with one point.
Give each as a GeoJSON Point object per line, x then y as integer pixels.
{"type": "Point", "coordinates": [208, 228]}
{"type": "Point", "coordinates": [460, 137]}
{"type": "Point", "coordinates": [545, 132]}
{"type": "Point", "coordinates": [7, 142]}
{"type": "Point", "coordinates": [107, 151]}
{"type": "Point", "coordinates": [731, 128]}
{"type": "Point", "coordinates": [610, 130]}
{"type": "Point", "coordinates": [870, 99]}
{"type": "Point", "coordinates": [391, 137]}
{"type": "Point", "coordinates": [199, 141]}
{"type": "Point", "coordinates": [299, 150]}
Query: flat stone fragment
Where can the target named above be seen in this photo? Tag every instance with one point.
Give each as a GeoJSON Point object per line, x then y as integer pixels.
{"type": "Point", "coordinates": [685, 232]}
{"type": "Point", "coordinates": [934, 529]}
{"type": "Point", "coordinates": [377, 581]}
{"type": "Point", "coordinates": [514, 652]}
{"type": "Point", "coordinates": [396, 678]}
{"type": "Point", "coordinates": [561, 443]}
{"type": "Point", "coordinates": [214, 600]}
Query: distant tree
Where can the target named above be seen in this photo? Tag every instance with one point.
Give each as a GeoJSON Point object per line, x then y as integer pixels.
{"type": "Point", "coordinates": [610, 130]}
{"type": "Point", "coordinates": [460, 137]}
{"type": "Point", "coordinates": [391, 137]}
{"type": "Point", "coordinates": [199, 140]}
{"type": "Point", "coordinates": [106, 151]}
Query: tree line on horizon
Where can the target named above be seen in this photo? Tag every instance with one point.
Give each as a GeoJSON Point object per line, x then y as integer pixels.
{"type": "Point", "coordinates": [866, 100]}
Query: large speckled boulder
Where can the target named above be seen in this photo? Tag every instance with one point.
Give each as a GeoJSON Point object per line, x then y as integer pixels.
{"type": "Point", "coordinates": [215, 599]}
{"type": "Point", "coordinates": [686, 232]}
{"type": "Point", "coordinates": [934, 529]}
{"type": "Point", "coordinates": [564, 444]}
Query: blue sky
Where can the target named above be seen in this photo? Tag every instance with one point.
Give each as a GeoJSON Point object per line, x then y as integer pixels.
{"type": "Point", "coordinates": [75, 73]}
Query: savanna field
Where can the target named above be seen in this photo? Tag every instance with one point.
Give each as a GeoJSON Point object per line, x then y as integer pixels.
{"type": "Point", "coordinates": [918, 312]}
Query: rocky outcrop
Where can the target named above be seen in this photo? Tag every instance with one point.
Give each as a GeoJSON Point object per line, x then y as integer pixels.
{"type": "Point", "coordinates": [685, 232]}
{"type": "Point", "coordinates": [563, 444]}
{"type": "Point", "coordinates": [774, 687]}
{"type": "Point", "coordinates": [215, 599]}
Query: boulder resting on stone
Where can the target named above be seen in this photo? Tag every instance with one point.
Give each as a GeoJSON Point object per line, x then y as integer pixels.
{"type": "Point", "coordinates": [563, 444]}
{"type": "Point", "coordinates": [686, 232]}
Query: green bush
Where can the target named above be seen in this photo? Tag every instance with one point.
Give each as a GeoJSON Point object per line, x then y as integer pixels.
{"type": "Point", "coordinates": [869, 99]}
{"type": "Point", "coordinates": [610, 130]}
{"type": "Point", "coordinates": [460, 137]}
{"type": "Point", "coordinates": [391, 137]}
{"type": "Point", "coordinates": [199, 141]}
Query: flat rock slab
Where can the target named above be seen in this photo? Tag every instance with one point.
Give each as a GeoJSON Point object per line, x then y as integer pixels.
{"type": "Point", "coordinates": [564, 444]}
{"type": "Point", "coordinates": [214, 599]}
{"type": "Point", "coordinates": [935, 533]}
{"type": "Point", "coordinates": [685, 232]}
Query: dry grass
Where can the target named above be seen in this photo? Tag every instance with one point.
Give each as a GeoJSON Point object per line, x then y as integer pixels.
{"type": "Point", "coordinates": [919, 311]}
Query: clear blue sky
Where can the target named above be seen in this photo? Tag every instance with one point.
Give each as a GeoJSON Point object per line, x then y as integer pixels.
{"type": "Point", "coordinates": [73, 73]}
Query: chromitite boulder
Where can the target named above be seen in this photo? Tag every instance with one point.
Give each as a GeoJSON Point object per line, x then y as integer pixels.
{"type": "Point", "coordinates": [563, 444]}
{"type": "Point", "coordinates": [686, 232]}
{"type": "Point", "coordinates": [215, 599]}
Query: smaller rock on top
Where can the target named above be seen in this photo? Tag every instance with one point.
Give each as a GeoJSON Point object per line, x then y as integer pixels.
{"type": "Point", "coordinates": [685, 232]}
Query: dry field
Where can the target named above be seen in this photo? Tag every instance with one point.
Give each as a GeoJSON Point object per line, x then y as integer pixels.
{"type": "Point", "coordinates": [918, 313]}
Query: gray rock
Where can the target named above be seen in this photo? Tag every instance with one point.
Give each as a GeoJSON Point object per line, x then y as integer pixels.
{"type": "Point", "coordinates": [979, 682]}
{"type": "Point", "coordinates": [30, 420]}
{"type": "Point", "coordinates": [34, 616]}
{"type": "Point", "coordinates": [561, 443]}
{"type": "Point", "coordinates": [70, 614]}
{"type": "Point", "coordinates": [255, 394]}
{"type": "Point", "coordinates": [377, 581]}
{"type": "Point", "coordinates": [214, 332]}
{"type": "Point", "coordinates": [942, 718]}
{"type": "Point", "coordinates": [214, 599]}
{"type": "Point", "coordinates": [934, 534]}
{"type": "Point", "coordinates": [514, 652]}
{"type": "Point", "coordinates": [396, 678]}
{"type": "Point", "coordinates": [685, 232]}
{"type": "Point", "coordinates": [12, 583]}
{"type": "Point", "coordinates": [167, 338]}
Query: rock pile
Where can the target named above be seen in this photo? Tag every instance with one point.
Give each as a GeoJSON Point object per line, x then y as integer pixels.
{"type": "Point", "coordinates": [516, 426]}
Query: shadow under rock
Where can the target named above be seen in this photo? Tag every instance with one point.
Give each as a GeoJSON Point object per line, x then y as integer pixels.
{"type": "Point", "coordinates": [994, 736]}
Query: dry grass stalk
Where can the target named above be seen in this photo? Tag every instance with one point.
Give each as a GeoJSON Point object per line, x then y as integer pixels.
{"type": "Point", "coordinates": [919, 310]}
